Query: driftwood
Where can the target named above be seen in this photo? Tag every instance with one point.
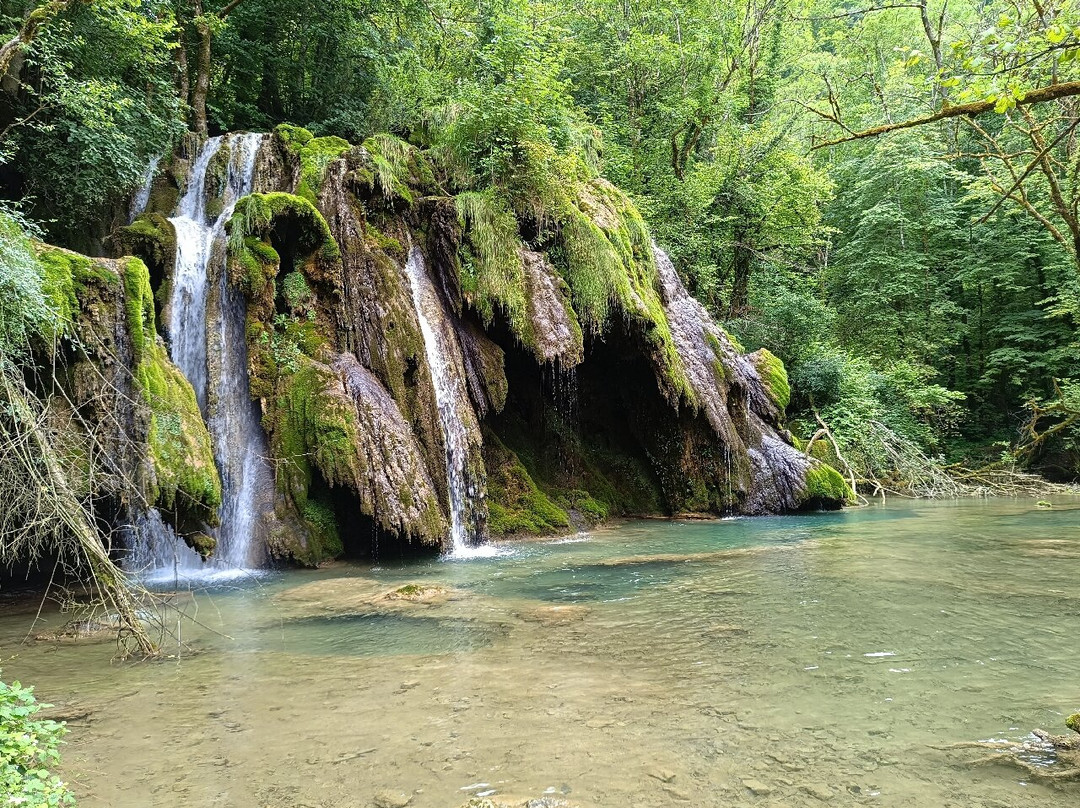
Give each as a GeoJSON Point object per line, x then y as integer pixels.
{"type": "Point", "coordinates": [1052, 759]}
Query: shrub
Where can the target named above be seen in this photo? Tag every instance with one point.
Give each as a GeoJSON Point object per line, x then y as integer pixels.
{"type": "Point", "coordinates": [29, 745]}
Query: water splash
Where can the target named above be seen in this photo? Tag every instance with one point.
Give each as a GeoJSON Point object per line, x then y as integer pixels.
{"type": "Point", "coordinates": [452, 400]}
{"type": "Point", "coordinates": [239, 443]}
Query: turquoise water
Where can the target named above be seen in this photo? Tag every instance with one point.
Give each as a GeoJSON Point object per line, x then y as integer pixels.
{"type": "Point", "coordinates": [827, 657]}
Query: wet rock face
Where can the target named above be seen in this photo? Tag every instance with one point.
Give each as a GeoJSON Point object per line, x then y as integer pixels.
{"type": "Point", "coordinates": [556, 331]}
{"type": "Point", "coordinates": [391, 478]}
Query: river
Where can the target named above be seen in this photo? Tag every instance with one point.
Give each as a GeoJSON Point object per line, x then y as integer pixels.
{"type": "Point", "coordinates": [772, 661]}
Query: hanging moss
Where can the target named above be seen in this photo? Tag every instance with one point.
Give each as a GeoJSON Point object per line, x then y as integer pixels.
{"type": "Point", "coordinates": [395, 170]}
{"type": "Point", "coordinates": [774, 375]}
{"type": "Point", "coordinates": [609, 263]}
{"type": "Point", "coordinates": [310, 430]}
{"type": "Point", "coordinates": [139, 307]}
{"type": "Point", "coordinates": [493, 275]}
{"type": "Point", "coordinates": [255, 214]}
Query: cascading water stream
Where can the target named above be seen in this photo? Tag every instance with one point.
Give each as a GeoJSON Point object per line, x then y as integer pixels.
{"type": "Point", "coordinates": [232, 417]}
{"type": "Point", "coordinates": [142, 196]}
{"type": "Point", "coordinates": [452, 400]}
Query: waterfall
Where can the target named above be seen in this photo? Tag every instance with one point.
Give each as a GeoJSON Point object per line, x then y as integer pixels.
{"type": "Point", "coordinates": [452, 399]}
{"type": "Point", "coordinates": [239, 442]}
{"type": "Point", "coordinates": [142, 196]}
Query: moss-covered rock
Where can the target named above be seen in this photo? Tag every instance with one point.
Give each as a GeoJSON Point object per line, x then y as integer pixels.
{"type": "Point", "coordinates": [152, 238]}
{"type": "Point", "coordinates": [774, 376]}
{"type": "Point", "coordinates": [336, 424]}
{"type": "Point", "coordinates": [144, 422]}
{"type": "Point", "coordinates": [515, 504]}
{"type": "Point", "coordinates": [184, 479]}
{"type": "Point", "coordinates": [312, 155]}
{"type": "Point", "coordinates": [824, 484]}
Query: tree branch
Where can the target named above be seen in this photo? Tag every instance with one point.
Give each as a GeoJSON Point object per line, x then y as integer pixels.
{"type": "Point", "coordinates": [1039, 96]}
{"type": "Point", "coordinates": [30, 28]}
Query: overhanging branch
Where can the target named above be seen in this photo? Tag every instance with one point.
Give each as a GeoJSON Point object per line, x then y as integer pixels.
{"type": "Point", "coordinates": [1039, 96]}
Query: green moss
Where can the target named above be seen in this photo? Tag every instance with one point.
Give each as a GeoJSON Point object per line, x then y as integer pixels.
{"type": "Point", "coordinates": [255, 215]}
{"type": "Point", "coordinates": [606, 252]}
{"type": "Point", "coordinates": [774, 376]}
{"type": "Point", "coordinates": [387, 244]}
{"type": "Point", "coordinates": [315, 157]}
{"type": "Point", "coordinates": [202, 543]}
{"type": "Point", "coordinates": [493, 275]}
{"type": "Point", "coordinates": [1073, 722]}
{"type": "Point", "coordinates": [324, 539]}
{"type": "Point", "coordinates": [152, 237]}
{"type": "Point", "coordinates": [64, 276]}
{"type": "Point", "coordinates": [515, 504]}
{"type": "Point", "coordinates": [185, 478]}
{"type": "Point", "coordinates": [824, 483]}
{"type": "Point", "coordinates": [583, 502]}
{"type": "Point", "coordinates": [291, 136]}
{"type": "Point", "coordinates": [139, 306]}
{"type": "Point", "coordinates": [310, 430]}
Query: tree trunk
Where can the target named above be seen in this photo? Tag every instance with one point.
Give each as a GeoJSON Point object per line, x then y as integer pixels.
{"type": "Point", "coordinates": [202, 79]}
{"type": "Point", "coordinates": [183, 76]}
{"type": "Point", "coordinates": [739, 302]}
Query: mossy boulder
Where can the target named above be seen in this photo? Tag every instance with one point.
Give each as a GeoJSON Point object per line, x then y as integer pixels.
{"type": "Point", "coordinates": [138, 405]}
{"type": "Point", "coordinates": [824, 485]}
{"type": "Point", "coordinates": [774, 376]}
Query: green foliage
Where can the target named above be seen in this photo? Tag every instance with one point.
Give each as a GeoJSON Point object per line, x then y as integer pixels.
{"type": "Point", "coordinates": [29, 747]}
{"type": "Point", "coordinates": [859, 401]}
{"type": "Point", "coordinates": [25, 299]}
{"type": "Point", "coordinates": [97, 102]}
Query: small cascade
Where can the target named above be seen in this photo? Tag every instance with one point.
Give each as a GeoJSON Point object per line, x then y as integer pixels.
{"type": "Point", "coordinates": [232, 416]}
{"type": "Point", "coordinates": [452, 398]}
{"type": "Point", "coordinates": [142, 196]}
{"type": "Point", "coordinates": [194, 243]}
{"type": "Point", "coordinates": [156, 554]}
